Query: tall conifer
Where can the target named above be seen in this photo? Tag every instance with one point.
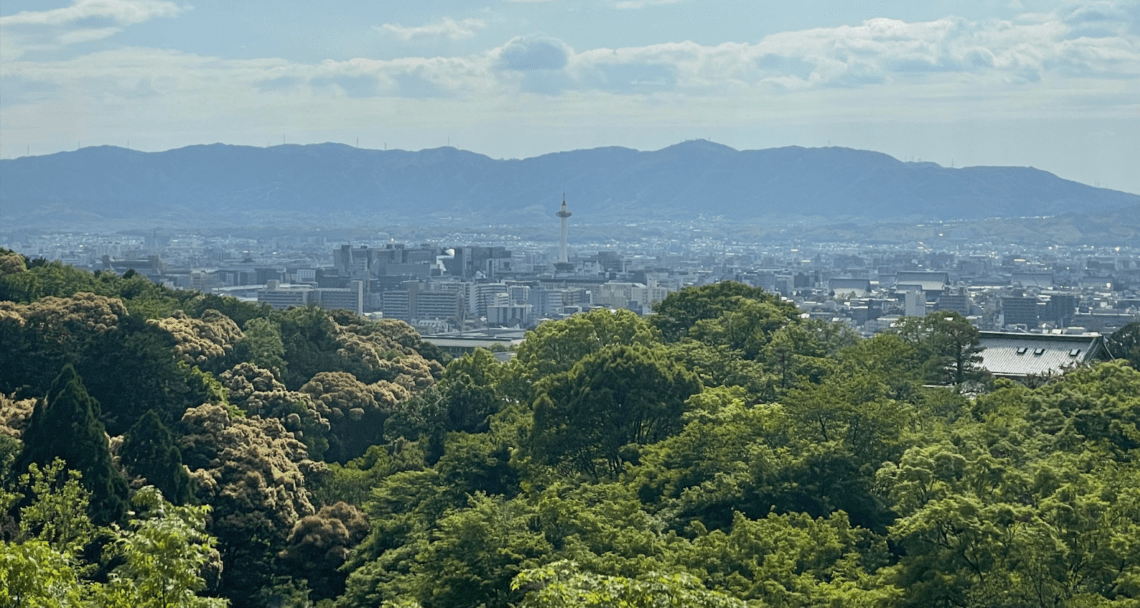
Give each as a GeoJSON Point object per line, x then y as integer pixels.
{"type": "Point", "coordinates": [149, 451]}
{"type": "Point", "coordinates": [66, 425]}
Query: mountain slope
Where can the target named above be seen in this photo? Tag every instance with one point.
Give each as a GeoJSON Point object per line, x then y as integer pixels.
{"type": "Point", "coordinates": [220, 185]}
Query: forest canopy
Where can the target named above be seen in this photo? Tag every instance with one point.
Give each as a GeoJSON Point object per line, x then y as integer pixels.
{"type": "Point", "coordinates": [169, 448]}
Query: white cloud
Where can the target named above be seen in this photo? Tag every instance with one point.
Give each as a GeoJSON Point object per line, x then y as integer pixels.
{"type": "Point", "coordinates": [86, 35]}
{"type": "Point", "coordinates": [83, 21]}
{"type": "Point", "coordinates": [533, 52]}
{"type": "Point", "coordinates": [636, 4]}
{"type": "Point", "coordinates": [123, 12]}
{"type": "Point", "coordinates": [876, 52]}
{"type": "Point", "coordinates": [444, 28]}
{"type": "Point", "coordinates": [917, 56]}
{"type": "Point", "coordinates": [1023, 67]}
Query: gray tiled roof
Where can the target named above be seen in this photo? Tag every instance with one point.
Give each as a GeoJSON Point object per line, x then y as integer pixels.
{"type": "Point", "coordinates": [1009, 354]}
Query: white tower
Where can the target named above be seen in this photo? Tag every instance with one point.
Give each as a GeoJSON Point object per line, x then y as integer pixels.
{"type": "Point", "coordinates": [915, 302]}
{"type": "Point", "coordinates": [562, 257]}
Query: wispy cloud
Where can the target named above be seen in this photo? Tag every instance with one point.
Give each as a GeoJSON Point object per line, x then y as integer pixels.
{"type": "Point", "coordinates": [444, 28]}
{"type": "Point", "coordinates": [906, 56]}
{"type": "Point", "coordinates": [1043, 63]}
{"type": "Point", "coordinates": [637, 4]}
{"type": "Point", "coordinates": [123, 12]}
{"type": "Point", "coordinates": [83, 21]}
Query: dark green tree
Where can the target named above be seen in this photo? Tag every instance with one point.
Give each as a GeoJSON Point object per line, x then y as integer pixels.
{"type": "Point", "coordinates": [262, 346]}
{"type": "Point", "coordinates": [554, 348]}
{"type": "Point", "coordinates": [66, 426]}
{"type": "Point", "coordinates": [470, 391]}
{"type": "Point", "coordinates": [948, 344]}
{"type": "Point", "coordinates": [619, 396]}
{"type": "Point", "coordinates": [149, 451]}
{"type": "Point", "coordinates": [1124, 343]}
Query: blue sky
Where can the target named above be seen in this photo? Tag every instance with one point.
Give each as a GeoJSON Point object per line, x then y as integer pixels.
{"type": "Point", "coordinates": [1050, 84]}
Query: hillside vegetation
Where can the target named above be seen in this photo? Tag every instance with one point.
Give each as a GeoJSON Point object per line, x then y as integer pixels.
{"type": "Point", "coordinates": [168, 448]}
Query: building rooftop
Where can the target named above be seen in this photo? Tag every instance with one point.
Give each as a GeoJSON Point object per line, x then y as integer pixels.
{"type": "Point", "coordinates": [1015, 355]}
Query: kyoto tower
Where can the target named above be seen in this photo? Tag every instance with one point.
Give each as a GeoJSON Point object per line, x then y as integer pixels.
{"type": "Point", "coordinates": [562, 257]}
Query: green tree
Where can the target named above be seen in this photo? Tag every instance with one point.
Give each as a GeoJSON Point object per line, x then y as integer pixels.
{"type": "Point", "coordinates": [66, 426]}
{"type": "Point", "coordinates": [470, 391]}
{"type": "Point", "coordinates": [309, 337]}
{"type": "Point", "coordinates": [563, 585]}
{"type": "Point", "coordinates": [1124, 343]}
{"type": "Point", "coordinates": [676, 315]}
{"type": "Point", "coordinates": [806, 351]}
{"type": "Point", "coordinates": [57, 511]}
{"type": "Point", "coordinates": [614, 398]}
{"type": "Point", "coordinates": [149, 451]}
{"type": "Point", "coordinates": [34, 574]}
{"type": "Point", "coordinates": [161, 557]}
{"type": "Point", "coordinates": [319, 545]}
{"type": "Point", "coordinates": [745, 325]}
{"type": "Point", "coordinates": [262, 346]}
{"type": "Point", "coordinates": [252, 473]}
{"type": "Point", "coordinates": [948, 344]}
{"type": "Point", "coordinates": [555, 347]}
{"type": "Point", "coordinates": [476, 553]}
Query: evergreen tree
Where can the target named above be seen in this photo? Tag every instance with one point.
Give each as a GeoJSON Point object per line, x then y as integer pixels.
{"type": "Point", "coordinates": [66, 426]}
{"type": "Point", "coordinates": [149, 451]}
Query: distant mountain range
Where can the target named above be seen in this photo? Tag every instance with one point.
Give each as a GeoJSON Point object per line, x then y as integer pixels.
{"type": "Point", "coordinates": [336, 185]}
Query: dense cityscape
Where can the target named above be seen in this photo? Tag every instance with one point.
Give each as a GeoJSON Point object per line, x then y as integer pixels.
{"type": "Point", "coordinates": [443, 282]}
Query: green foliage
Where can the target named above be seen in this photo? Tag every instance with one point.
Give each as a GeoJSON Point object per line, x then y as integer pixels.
{"type": "Point", "coordinates": [309, 338]}
{"type": "Point", "coordinates": [1124, 343]}
{"type": "Point", "coordinates": [788, 560]}
{"type": "Point", "coordinates": [563, 585]}
{"type": "Point", "coordinates": [469, 390]}
{"type": "Point", "coordinates": [319, 545]}
{"type": "Point", "coordinates": [476, 553]}
{"type": "Point", "coordinates": [55, 279]}
{"type": "Point", "coordinates": [593, 416]}
{"type": "Point", "coordinates": [553, 348]}
{"type": "Point", "coordinates": [732, 304]}
{"type": "Point", "coordinates": [948, 344]}
{"type": "Point", "coordinates": [353, 481]}
{"type": "Point", "coordinates": [66, 426]}
{"type": "Point", "coordinates": [32, 573]}
{"type": "Point", "coordinates": [262, 346]}
{"type": "Point", "coordinates": [149, 451]}
{"type": "Point", "coordinates": [805, 351]}
{"type": "Point", "coordinates": [57, 509]}
{"type": "Point", "coordinates": [724, 453]}
{"type": "Point", "coordinates": [744, 325]}
{"type": "Point", "coordinates": [721, 366]}
{"type": "Point", "coordinates": [160, 558]}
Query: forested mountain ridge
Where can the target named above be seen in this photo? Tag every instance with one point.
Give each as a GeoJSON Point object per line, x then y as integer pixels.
{"type": "Point", "coordinates": [223, 185]}
{"type": "Point", "coordinates": [723, 452]}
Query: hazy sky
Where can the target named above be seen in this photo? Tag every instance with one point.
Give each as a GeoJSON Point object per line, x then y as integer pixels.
{"type": "Point", "coordinates": [1055, 85]}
